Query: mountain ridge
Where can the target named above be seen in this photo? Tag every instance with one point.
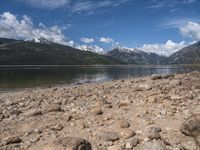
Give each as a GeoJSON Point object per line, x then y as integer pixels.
{"type": "Point", "coordinates": [18, 52]}
{"type": "Point", "coordinates": [45, 52]}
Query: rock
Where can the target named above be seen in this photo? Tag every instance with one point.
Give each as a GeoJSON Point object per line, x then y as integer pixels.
{"type": "Point", "coordinates": [115, 147]}
{"type": "Point", "coordinates": [152, 99]}
{"type": "Point", "coordinates": [15, 111]}
{"type": "Point", "coordinates": [153, 133]}
{"type": "Point", "coordinates": [127, 133]}
{"type": "Point", "coordinates": [34, 140]}
{"type": "Point", "coordinates": [57, 127]}
{"type": "Point", "coordinates": [163, 112]}
{"type": "Point", "coordinates": [13, 139]}
{"type": "Point", "coordinates": [175, 83]}
{"type": "Point", "coordinates": [188, 143]}
{"type": "Point", "coordinates": [133, 142]}
{"type": "Point", "coordinates": [143, 87]}
{"type": "Point", "coordinates": [152, 145]}
{"type": "Point", "coordinates": [167, 76]}
{"type": "Point", "coordinates": [33, 113]}
{"type": "Point", "coordinates": [109, 136]}
{"type": "Point", "coordinates": [156, 76]}
{"type": "Point", "coordinates": [67, 143]}
{"type": "Point", "coordinates": [123, 124]}
{"type": "Point", "coordinates": [124, 103]}
{"type": "Point", "coordinates": [68, 117]}
{"type": "Point", "coordinates": [52, 108]}
{"type": "Point", "coordinates": [97, 111]}
{"type": "Point", "coordinates": [191, 127]}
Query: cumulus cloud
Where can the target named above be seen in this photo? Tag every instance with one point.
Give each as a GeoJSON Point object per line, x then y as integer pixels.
{"type": "Point", "coordinates": [12, 27]}
{"type": "Point", "coordinates": [192, 30]}
{"type": "Point", "coordinates": [87, 40]}
{"type": "Point", "coordinates": [165, 49]}
{"type": "Point", "coordinates": [51, 4]}
{"type": "Point", "coordinates": [106, 40]}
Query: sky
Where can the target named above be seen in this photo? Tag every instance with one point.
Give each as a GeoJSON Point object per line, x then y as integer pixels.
{"type": "Point", "coordinates": [161, 26]}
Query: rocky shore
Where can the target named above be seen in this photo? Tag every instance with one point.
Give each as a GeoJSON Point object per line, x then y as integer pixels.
{"type": "Point", "coordinates": [151, 113]}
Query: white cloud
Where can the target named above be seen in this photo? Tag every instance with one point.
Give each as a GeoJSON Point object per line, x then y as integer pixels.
{"type": "Point", "coordinates": [12, 27]}
{"type": "Point", "coordinates": [87, 40]}
{"type": "Point", "coordinates": [169, 3]}
{"type": "Point", "coordinates": [106, 40]}
{"type": "Point", "coordinates": [90, 5]}
{"type": "Point", "coordinates": [51, 4]}
{"type": "Point", "coordinates": [192, 30]}
{"type": "Point", "coordinates": [176, 23]}
{"type": "Point", "coordinates": [77, 6]}
{"type": "Point", "coordinates": [165, 49]}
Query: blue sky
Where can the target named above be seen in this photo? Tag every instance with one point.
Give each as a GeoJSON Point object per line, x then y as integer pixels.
{"type": "Point", "coordinates": [162, 26]}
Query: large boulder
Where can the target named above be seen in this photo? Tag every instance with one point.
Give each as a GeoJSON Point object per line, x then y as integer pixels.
{"type": "Point", "coordinates": [191, 126]}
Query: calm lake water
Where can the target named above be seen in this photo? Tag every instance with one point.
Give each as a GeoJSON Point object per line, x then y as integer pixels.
{"type": "Point", "coordinates": [25, 77]}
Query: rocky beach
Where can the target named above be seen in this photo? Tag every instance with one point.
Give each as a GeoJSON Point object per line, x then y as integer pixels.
{"type": "Point", "coordinates": [150, 113]}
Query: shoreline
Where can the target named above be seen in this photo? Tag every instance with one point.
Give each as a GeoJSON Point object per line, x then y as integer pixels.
{"type": "Point", "coordinates": [21, 66]}
{"type": "Point", "coordinates": [110, 114]}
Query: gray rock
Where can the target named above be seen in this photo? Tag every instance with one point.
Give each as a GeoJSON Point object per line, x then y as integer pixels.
{"type": "Point", "coordinates": [15, 111]}
{"type": "Point", "coordinates": [109, 136]}
{"type": "Point", "coordinates": [13, 139]}
{"type": "Point", "coordinates": [156, 76]}
{"type": "Point", "coordinates": [167, 76]}
{"type": "Point", "coordinates": [191, 127]}
{"type": "Point", "coordinates": [133, 142]}
{"type": "Point", "coordinates": [153, 133]}
{"type": "Point", "coordinates": [152, 145]}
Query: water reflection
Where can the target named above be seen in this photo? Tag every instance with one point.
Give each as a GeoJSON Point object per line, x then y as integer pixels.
{"type": "Point", "coordinates": [25, 77]}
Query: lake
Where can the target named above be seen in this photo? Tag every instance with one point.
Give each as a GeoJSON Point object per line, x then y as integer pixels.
{"type": "Point", "coordinates": [39, 76]}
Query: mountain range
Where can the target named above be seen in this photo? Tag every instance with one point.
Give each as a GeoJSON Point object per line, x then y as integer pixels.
{"type": "Point", "coordinates": [44, 52]}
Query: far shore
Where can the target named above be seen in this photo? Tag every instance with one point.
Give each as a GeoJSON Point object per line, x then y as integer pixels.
{"type": "Point", "coordinates": [21, 66]}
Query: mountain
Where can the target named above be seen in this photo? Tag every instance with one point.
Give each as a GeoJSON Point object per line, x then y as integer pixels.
{"type": "Point", "coordinates": [44, 52]}
{"type": "Point", "coordinates": [94, 49]}
{"type": "Point", "coordinates": [135, 56]}
{"type": "Point", "coordinates": [40, 40]}
{"type": "Point", "coordinates": [187, 55]}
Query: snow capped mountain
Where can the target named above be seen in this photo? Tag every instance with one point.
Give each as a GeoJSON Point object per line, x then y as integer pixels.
{"type": "Point", "coordinates": [94, 48]}
{"type": "Point", "coordinates": [91, 48]}
{"type": "Point", "coordinates": [128, 50]}
{"type": "Point", "coordinates": [40, 40]}
{"type": "Point", "coordinates": [135, 56]}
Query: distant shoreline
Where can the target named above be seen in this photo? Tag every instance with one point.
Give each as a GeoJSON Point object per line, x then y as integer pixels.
{"type": "Point", "coordinates": [10, 66]}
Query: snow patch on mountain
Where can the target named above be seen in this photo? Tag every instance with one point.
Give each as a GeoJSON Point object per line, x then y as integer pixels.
{"type": "Point", "coordinates": [91, 48]}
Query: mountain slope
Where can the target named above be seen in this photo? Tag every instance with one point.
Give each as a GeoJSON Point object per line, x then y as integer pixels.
{"type": "Point", "coordinates": [16, 52]}
{"type": "Point", "coordinates": [135, 56]}
{"type": "Point", "coordinates": [187, 55]}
